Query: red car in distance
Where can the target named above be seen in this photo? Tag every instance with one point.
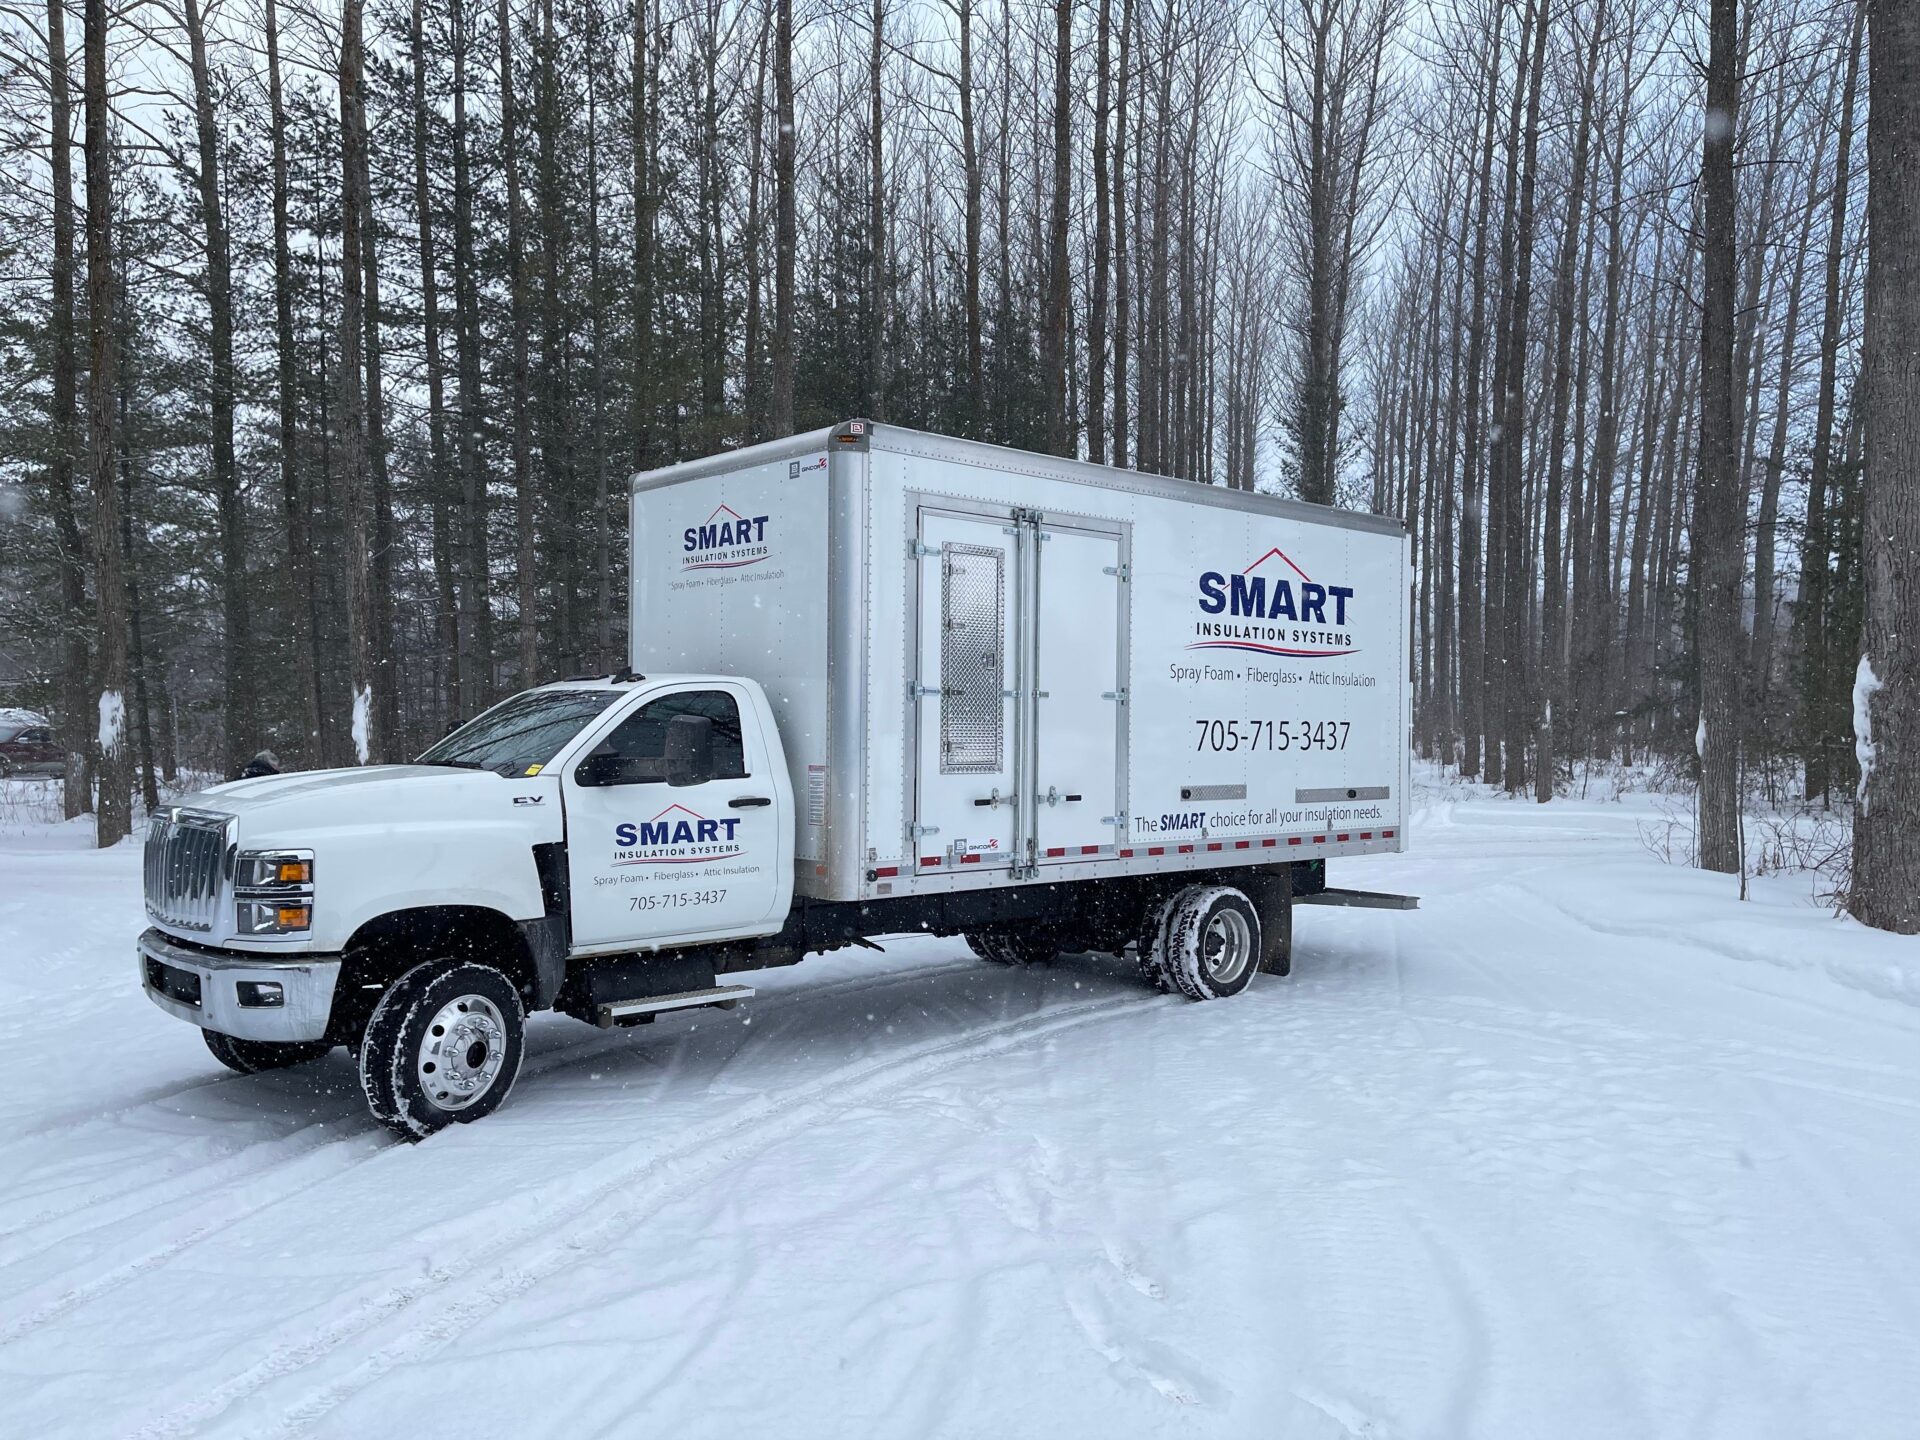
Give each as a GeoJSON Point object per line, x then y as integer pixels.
{"type": "Point", "coordinates": [27, 748]}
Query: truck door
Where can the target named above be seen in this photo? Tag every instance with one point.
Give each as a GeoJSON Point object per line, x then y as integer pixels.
{"type": "Point", "coordinates": [678, 826]}
{"type": "Point", "coordinates": [966, 780]}
{"type": "Point", "coordinates": [1079, 705]}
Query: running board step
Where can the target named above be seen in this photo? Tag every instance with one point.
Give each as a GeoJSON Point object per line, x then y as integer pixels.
{"type": "Point", "coordinates": [1360, 899]}
{"type": "Point", "coordinates": [721, 997]}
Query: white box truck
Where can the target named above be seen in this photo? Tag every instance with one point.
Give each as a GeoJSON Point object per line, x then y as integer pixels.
{"type": "Point", "coordinates": [882, 681]}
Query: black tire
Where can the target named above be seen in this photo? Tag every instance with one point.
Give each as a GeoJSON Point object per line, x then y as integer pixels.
{"type": "Point", "coordinates": [250, 1057]}
{"type": "Point", "coordinates": [443, 1046]}
{"type": "Point", "coordinates": [1151, 948]}
{"type": "Point", "coordinates": [1209, 944]}
{"type": "Point", "coordinates": [1037, 946]}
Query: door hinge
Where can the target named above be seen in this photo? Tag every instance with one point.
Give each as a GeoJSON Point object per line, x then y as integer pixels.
{"type": "Point", "coordinates": [1118, 696]}
{"type": "Point", "coordinates": [916, 831]}
{"type": "Point", "coordinates": [1122, 573]}
{"type": "Point", "coordinates": [1120, 819]}
{"type": "Point", "coordinates": [917, 691]}
{"type": "Point", "coordinates": [921, 552]}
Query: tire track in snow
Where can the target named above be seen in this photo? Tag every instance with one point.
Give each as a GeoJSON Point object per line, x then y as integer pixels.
{"type": "Point", "coordinates": [57, 1297]}
{"type": "Point", "coordinates": [478, 1280]}
{"type": "Point", "coordinates": [223, 1195]}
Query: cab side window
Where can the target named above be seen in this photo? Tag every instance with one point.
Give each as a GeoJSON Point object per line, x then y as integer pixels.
{"type": "Point", "coordinates": [641, 739]}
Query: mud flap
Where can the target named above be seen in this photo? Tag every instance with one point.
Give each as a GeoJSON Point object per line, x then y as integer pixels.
{"type": "Point", "coordinates": [1271, 892]}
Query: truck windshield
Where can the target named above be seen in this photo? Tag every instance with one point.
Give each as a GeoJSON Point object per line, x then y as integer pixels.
{"type": "Point", "coordinates": [521, 735]}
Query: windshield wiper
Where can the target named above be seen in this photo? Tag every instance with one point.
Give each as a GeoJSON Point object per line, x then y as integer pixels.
{"type": "Point", "coordinates": [455, 764]}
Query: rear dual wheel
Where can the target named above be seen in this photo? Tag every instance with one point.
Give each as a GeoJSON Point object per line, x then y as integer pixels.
{"type": "Point", "coordinates": [1203, 943]}
{"type": "Point", "coordinates": [1039, 945]}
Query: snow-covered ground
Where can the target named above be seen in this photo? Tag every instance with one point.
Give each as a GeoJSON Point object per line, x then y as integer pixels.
{"type": "Point", "coordinates": [1584, 1147]}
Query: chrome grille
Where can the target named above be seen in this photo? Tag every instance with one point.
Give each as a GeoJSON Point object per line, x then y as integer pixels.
{"type": "Point", "coordinates": [186, 850]}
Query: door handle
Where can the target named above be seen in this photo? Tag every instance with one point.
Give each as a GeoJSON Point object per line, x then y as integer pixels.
{"type": "Point", "coordinates": [749, 802]}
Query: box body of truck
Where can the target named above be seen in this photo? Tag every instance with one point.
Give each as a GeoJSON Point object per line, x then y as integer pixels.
{"type": "Point", "coordinates": [991, 667]}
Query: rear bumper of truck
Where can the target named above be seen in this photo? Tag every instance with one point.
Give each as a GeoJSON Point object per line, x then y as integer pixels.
{"type": "Point", "coordinates": [251, 997]}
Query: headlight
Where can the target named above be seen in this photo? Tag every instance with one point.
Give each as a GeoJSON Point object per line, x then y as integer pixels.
{"type": "Point", "coordinates": [273, 870]}
{"type": "Point", "coordinates": [272, 917]}
{"type": "Point", "coordinates": [273, 892]}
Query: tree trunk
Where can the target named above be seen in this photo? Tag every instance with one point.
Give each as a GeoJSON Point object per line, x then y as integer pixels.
{"type": "Point", "coordinates": [556, 421]}
{"type": "Point", "coordinates": [1053, 347]}
{"type": "Point", "coordinates": [476, 664]}
{"type": "Point", "coordinates": [1102, 244]}
{"type": "Point", "coordinates": [1760, 679]}
{"type": "Point", "coordinates": [1122, 313]}
{"type": "Point", "coordinates": [526, 588]}
{"type": "Point", "coordinates": [351, 420]}
{"type": "Point", "coordinates": [1810, 615]}
{"type": "Point", "coordinates": [1472, 488]}
{"type": "Point", "coordinates": [447, 628]}
{"type": "Point", "coordinates": [129, 546]}
{"type": "Point", "coordinates": [1553, 655]}
{"type": "Point", "coordinates": [74, 727]}
{"type": "Point", "coordinates": [386, 702]}
{"type": "Point", "coordinates": [1718, 546]}
{"type": "Point", "coordinates": [754, 362]}
{"type": "Point", "coordinates": [1886, 831]}
{"type": "Point", "coordinates": [785, 233]}
{"type": "Point", "coordinates": [242, 722]}
{"type": "Point", "coordinates": [645, 205]}
{"type": "Point", "coordinates": [302, 663]}
{"type": "Point", "coordinates": [877, 310]}
{"type": "Point", "coordinates": [113, 817]}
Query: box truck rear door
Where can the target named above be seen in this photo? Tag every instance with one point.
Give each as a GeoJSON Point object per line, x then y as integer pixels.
{"type": "Point", "coordinates": [1080, 710]}
{"type": "Point", "coordinates": [965, 752]}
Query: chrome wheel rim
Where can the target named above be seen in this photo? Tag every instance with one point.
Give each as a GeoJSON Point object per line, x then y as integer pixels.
{"type": "Point", "coordinates": [462, 1051]}
{"type": "Point", "coordinates": [1226, 946]}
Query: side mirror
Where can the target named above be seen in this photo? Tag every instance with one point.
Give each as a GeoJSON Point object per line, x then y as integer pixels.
{"type": "Point", "coordinates": [689, 750]}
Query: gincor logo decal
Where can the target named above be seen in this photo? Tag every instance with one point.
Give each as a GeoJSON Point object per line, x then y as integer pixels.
{"type": "Point", "coordinates": [725, 540]}
{"type": "Point", "coordinates": [1272, 607]}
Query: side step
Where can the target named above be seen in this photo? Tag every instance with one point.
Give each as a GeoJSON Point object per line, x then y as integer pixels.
{"type": "Point", "coordinates": [1360, 899]}
{"type": "Point", "coordinates": [720, 997]}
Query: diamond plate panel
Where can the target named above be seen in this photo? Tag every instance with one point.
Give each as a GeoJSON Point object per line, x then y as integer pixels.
{"type": "Point", "coordinates": [973, 619]}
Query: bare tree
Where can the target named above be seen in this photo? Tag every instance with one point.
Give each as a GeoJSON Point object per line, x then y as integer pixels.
{"type": "Point", "coordinates": [238, 646]}
{"type": "Point", "coordinates": [355, 498]}
{"type": "Point", "coordinates": [877, 219]}
{"type": "Point", "coordinates": [1886, 691]}
{"type": "Point", "coordinates": [1327, 92]}
{"type": "Point", "coordinates": [113, 815]}
{"type": "Point", "coordinates": [300, 604]}
{"type": "Point", "coordinates": [1810, 615]}
{"type": "Point", "coordinates": [63, 415]}
{"type": "Point", "coordinates": [1718, 547]}
{"type": "Point", "coordinates": [1053, 335]}
{"type": "Point", "coordinates": [785, 224]}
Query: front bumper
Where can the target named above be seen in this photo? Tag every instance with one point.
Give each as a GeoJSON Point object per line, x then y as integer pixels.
{"type": "Point", "coordinates": [203, 986]}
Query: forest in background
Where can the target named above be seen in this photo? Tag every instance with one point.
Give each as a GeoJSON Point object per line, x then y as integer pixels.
{"type": "Point", "coordinates": [395, 297]}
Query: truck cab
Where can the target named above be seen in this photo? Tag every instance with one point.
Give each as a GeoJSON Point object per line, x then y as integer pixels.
{"type": "Point", "coordinates": [566, 829]}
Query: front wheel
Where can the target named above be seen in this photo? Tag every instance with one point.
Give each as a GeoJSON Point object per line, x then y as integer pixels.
{"type": "Point", "coordinates": [443, 1046]}
{"type": "Point", "coordinates": [1209, 942]}
{"type": "Point", "coordinates": [250, 1057]}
